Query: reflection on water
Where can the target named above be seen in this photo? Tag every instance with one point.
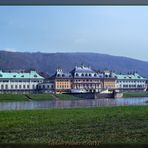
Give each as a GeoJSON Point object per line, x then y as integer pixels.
{"type": "Point", "coordinates": [72, 103]}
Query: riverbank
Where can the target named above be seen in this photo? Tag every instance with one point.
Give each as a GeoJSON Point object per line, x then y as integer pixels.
{"type": "Point", "coordinates": [35, 97]}
{"type": "Point", "coordinates": [135, 94]}
{"type": "Point", "coordinates": [88, 126]}
{"type": "Point", "coordinates": [51, 97]}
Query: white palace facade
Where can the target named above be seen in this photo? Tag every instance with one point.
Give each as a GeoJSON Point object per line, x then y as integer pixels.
{"type": "Point", "coordinates": [131, 81]}
{"type": "Point", "coordinates": [19, 81]}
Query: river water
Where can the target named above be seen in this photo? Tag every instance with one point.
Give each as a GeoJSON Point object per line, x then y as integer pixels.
{"type": "Point", "coordinates": [72, 103]}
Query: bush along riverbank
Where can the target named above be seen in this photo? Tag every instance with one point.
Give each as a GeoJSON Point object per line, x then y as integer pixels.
{"type": "Point", "coordinates": [82, 126]}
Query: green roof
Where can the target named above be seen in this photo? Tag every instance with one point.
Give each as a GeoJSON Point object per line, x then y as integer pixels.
{"type": "Point", "coordinates": [134, 76]}
{"type": "Point", "coordinates": [16, 75]}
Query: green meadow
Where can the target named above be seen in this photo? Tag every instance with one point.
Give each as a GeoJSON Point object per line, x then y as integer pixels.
{"type": "Point", "coordinates": [35, 97]}
{"type": "Point", "coordinates": [135, 94]}
{"type": "Point", "coordinates": [81, 126]}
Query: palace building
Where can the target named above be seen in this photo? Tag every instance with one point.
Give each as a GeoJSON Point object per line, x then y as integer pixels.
{"type": "Point", "coordinates": [19, 81]}
{"type": "Point", "coordinates": [62, 81]}
{"type": "Point", "coordinates": [86, 79]}
{"type": "Point", "coordinates": [108, 80]}
{"type": "Point", "coordinates": [80, 79]}
{"type": "Point", "coordinates": [45, 87]}
{"type": "Point", "coordinates": [130, 81]}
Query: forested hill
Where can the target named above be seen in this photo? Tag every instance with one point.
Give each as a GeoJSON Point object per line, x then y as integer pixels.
{"type": "Point", "coordinates": [48, 62]}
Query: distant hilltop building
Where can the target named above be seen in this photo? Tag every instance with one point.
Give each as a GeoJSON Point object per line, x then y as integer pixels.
{"type": "Point", "coordinates": [19, 81]}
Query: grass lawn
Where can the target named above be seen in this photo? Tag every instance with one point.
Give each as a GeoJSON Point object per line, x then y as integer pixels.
{"type": "Point", "coordinates": [67, 97]}
{"type": "Point", "coordinates": [41, 96]}
{"type": "Point", "coordinates": [135, 94]}
{"type": "Point", "coordinates": [92, 126]}
{"type": "Point", "coordinates": [12, 97]}
{"type": "Point", "coordinates": [36, 97]}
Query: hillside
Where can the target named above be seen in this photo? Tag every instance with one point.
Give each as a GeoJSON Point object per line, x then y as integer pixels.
{"type": "Point", "coordinates": [48, 62]}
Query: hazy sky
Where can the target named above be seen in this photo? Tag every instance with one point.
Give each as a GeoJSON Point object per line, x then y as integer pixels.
{"type": "Point", "coordinates": [116, 30]}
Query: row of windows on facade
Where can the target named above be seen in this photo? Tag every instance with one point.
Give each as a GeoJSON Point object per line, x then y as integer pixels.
{"type": "Point", "coordinates": [86, 75]}
{"type": "Point", "coordinates": [63, 80]}
{"type": "Point", "coordinates": [63, 86]}
{"type": "Point", "coordinates": [87, 80]}
{"type": "Point", "coordinates": [14, 76]}
{"type": "Point", "coordinates": [45, 86]}
{"type": "Point", "coordinates": [82, 75]}
{"type": "Point", "coordinates": [77, 80]}
{"type": "Point", "coordinates": [20, 81]}
{"type": "Point", "coordinates": [130, 86]}
{"type": "Point", "coordinates": [17, 86]}
{"type": "Point", "coordinates": [87, 85]}
{"type": "Point", "coordinates": [130, 81]}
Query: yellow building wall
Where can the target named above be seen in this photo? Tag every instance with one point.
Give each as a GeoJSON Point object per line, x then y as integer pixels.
{"type": "Point", "coordinates": [109, 84]}
{"type": "Point", "coordinates": [61, 85]}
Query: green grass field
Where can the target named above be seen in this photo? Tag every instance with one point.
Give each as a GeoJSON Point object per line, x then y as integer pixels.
{"type": "Point", "coordinates": [88, 126]}
{"type": "Point", "coordinates": [12, 97]}
{"type": "Point", "coordinates": [135, 94]}
{"type": "Point", "coordinates": [41, 96]}
{"type": "Point", "coordinates": [35, 97]}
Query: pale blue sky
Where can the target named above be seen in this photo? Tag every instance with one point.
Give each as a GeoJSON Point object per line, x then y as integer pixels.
{"type": "Point", "coordinates": [116, 30]}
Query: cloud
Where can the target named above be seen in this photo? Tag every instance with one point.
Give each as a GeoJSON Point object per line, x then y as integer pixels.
{"type": "Point", "coordinates": [10, 49]}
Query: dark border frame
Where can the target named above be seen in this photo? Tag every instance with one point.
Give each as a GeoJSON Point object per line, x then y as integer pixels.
{"type": "Point", "coordinates": [73, 2]}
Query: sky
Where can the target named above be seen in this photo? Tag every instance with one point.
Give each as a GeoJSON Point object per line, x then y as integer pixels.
{"type": "Point", "coordinates": [115, 30]}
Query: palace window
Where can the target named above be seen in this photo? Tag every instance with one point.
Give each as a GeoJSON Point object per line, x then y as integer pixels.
{"type": "Point", "coordinates": [82, 74]}
{"type": "Point", "coordinates": [2, 86]}
{"type": "Point", "coordinates": [6, 86]}
{"type": "Point", "coordinates": [90, 75]}
{"type": "Point", "coordinates": [5, 80]}
{"type": "Point", "coordinates": [95, 75]}
{"type": "Point", "coordinates": [77, 74]}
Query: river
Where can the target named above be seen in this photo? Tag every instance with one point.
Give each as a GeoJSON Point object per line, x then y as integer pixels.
{"type": "Point", "coordinates": [72, 103]}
